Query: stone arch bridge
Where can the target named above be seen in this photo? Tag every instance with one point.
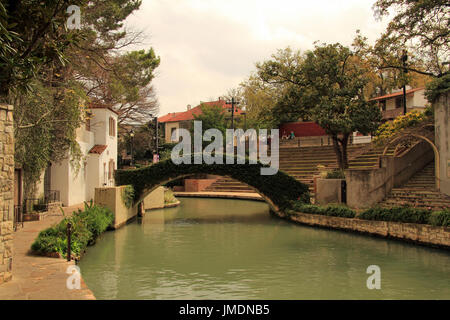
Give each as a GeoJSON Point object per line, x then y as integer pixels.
{"type": "Point", "coordinates": [278, 190]}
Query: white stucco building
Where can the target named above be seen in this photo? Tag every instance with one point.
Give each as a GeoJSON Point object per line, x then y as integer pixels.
{"type": "Point", "coordinates": [391, 105]}
{"type": "Point", "coordinates": [98, 143]}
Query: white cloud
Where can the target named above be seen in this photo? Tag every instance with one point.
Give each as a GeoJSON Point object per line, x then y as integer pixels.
{"type": "Point", "coordinates": [207, 47]}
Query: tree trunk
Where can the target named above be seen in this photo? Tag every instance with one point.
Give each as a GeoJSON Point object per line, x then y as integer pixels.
{"type": "Point", "coordinates": [338, 151]}
{"type": "Point", "coordinates": [344, 143]}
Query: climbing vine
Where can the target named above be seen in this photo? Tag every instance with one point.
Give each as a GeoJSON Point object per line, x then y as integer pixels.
{"type": "Point", "coordinates": [128, 196]}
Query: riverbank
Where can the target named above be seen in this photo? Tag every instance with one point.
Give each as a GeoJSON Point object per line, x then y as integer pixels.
{"type": "Point", "coordinates": [36, 277]}
{"type": "Point", "coordinates": [422, 234]}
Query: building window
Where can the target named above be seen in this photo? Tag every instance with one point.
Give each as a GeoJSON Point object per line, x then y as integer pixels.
{"type": "Point", "coordinates": [88, 124]}
{"type": "Point", "coordinates": [111, 169]}
{"type": "Point", "coordinates": [172, 137]}
{"type": "Point", "coordinates": [112, 127]}
{"type": "Point", "coordinates": [383, 105]}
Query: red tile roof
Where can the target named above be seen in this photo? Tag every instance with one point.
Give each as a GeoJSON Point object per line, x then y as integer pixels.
{"type": "Point", "coordinates": [189, 114]}
{"type": "Point", "coordinates": [302, 129]}
{"type": "Point", "coordinates": [396, 94]}
{"type": "Point", "coordinates": [98, 149]}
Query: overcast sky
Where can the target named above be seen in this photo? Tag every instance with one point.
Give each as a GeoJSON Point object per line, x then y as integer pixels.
{"type": "Point", "coordinates": [209, 46]}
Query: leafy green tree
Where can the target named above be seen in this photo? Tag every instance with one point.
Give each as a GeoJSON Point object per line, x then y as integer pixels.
{"type": "Point", "coordinates": [333, 85]}
{"type": "Point", "coordinates": [41, 72]}
{"type": "Point", "coordinates": [327, 86]}
{"type": "Point", "coordinates": [33, 35]}
{"type": "Point", "coordinates": [212, 117]}
{"type": "Point", "coordinates": [422, 27]}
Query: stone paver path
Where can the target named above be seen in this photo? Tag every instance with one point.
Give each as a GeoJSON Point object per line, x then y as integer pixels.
{"type": "Point", "coordinates": [39, 278]}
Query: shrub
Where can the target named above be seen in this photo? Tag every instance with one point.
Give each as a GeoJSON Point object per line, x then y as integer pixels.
{"type": "Point", "coordinates": [169, 197]}
{"type": "Point", "coordinates": [330, 210]}
{"type": "Point", "coordinates": [397, 214]}
{"type": "Point", "coordinates": [335, 174]}
{"type": "Point", "coordinates": [87, 226]}
{"type": "Point", "coordinates": [440, 218]}
{"type": "Point", "coordinates": [409, 120]}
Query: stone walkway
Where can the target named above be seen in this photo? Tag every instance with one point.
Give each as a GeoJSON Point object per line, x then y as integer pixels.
{"type": "Point", "coordinates": [39, 278]}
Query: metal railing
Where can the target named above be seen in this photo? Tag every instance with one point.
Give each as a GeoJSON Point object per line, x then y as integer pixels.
{"type": "Point", "coordinates": [52, 196]}
{"type": "Point", "coordinates": [18, 217]}
{"type": "Point", "coordinates": [41, 205]}
{"type": "Point", "coordinates": [108, 180]}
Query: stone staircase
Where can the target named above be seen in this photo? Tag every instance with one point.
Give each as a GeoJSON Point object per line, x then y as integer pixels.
{"type": "Point", "coordinates": [225, 184]}
{"type": "Point", "coordinates": [420, 191]}
{"type": "Point", "coordinates": [301, 163]}
{"type": "Point", "coordinates": [369, 159]}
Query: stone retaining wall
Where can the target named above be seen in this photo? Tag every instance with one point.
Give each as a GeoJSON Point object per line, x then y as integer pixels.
{"type": "Point", "coordinates": [6, 191]}
{"type": "Point", "coordinates": [419, 233]}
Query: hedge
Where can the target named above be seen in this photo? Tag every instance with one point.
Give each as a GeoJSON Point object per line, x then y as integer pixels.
{"type": "Point", "coordinates": [408, 215]}
{"type": "Point", "coordinates": [87, 226]}
{"type": "Point", "coordinates": [330, 210]}
{"type": "Point", "coordinates": [281, 188]}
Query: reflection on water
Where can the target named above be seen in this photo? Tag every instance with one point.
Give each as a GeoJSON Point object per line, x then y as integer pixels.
{"type": "Point", "coordinates": [234, 249]}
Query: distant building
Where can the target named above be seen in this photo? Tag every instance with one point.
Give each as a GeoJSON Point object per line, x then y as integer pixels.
{"type": "Point", "coordinates": [183, 120]}
{"type": "Point", "coordinates": [98, 142]}
{"type": "Point", "coordinates": [391, 105]}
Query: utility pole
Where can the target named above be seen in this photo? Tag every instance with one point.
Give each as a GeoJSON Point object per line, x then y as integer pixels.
{"type": "Point", "coordinates": [132, 141]}
{"type": "Point", "coordinates": [405, 71]}
{"type": "Point", "coordinates": [157, 137]}
{"type": "Point", "coordinates": [233, 102]}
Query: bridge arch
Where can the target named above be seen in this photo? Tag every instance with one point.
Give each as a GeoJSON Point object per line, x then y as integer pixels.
{"type": "Point", "coordinates": [430, 142]}
{"type": "Point", "coordinates": [278, 190]}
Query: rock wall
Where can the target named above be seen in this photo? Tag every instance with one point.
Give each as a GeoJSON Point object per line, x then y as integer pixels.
{"type": "Point", "coordinates": [442, 127]}
{"type": "Point", "coordinates": [6, 191]}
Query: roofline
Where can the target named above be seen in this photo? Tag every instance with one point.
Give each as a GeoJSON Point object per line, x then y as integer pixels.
{"type": "Point", "coordinates": [396, 94]}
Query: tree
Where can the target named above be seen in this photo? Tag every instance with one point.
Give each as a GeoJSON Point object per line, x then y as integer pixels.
{"type": "Point", "coordinates": [212, 117]}
{"type": "Point", "coordinates": [33, 35]}
{"type": "Point", "coordinates": [382, 80]}
{"type": "Point", "coordinates": [422, 26]}
{"type": "Point", "coordinates": [40, 63]}
{"type": "Point", "coordinates": [333, 84]}
{"type": "Point", "coordinates": [125, 84]}
{"type": "Point", "coordinates": [327, 87]}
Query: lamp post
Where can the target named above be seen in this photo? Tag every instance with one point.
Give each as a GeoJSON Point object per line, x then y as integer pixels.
{"type": "Point", "coordinates": [132, 140]}
{"type": "Point", "coordinates": [405, 71]}
{"type": "Point", "coordinates": [233, 103]}
{"type": "Point", "coordinates": [156, 137]}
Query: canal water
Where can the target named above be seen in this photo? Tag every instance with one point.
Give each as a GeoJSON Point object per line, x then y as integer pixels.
{"type": "Point", "coordinates": [234, 249]}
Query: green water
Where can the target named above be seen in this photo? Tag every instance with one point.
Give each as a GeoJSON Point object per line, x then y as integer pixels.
{"type": "Point", "coordinates": [234, 249]}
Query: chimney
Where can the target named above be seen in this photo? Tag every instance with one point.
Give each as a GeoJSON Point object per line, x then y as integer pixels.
{"type": "Point", "coordinates": [188, 107]}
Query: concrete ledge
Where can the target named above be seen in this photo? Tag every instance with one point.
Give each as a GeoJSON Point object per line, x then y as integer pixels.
{"type": "Point", "coordinates": [220, 195]}
{"type": "Point", "coordinates": [172, 205]}
{"type": "Point", "coordinates": [416, 233]}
